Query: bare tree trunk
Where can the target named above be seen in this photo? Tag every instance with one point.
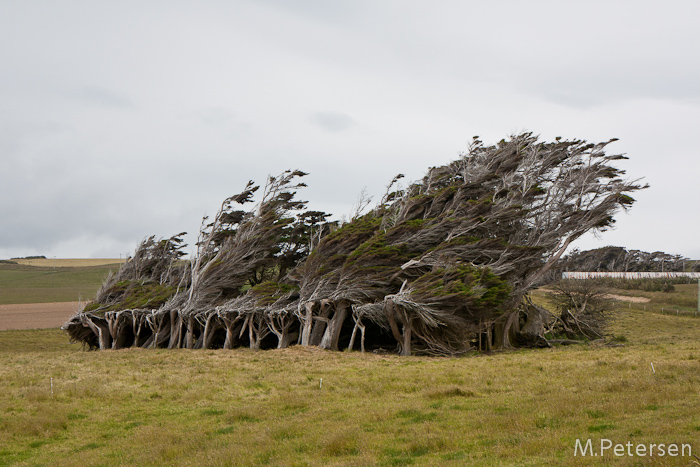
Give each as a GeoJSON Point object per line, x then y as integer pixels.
{"type": "Point", "coordinates": [152, 325]}
{"type": "Point", "coordinates": [307, 323]}
{"type": "Point", "coordinates": [289, 337]}
{"type": "Point", "coordinates": [321, 323]}
{"type": "Point", "coordinates": [504, 330]}
{"type": "Point", "coordinates": [285, 321]}
{"type": "Point", "coordinates": [254, 343]}
{"type": "Point", "coordinates": [117, 324]}
{"type": "Point", "coordinates": [210, 329]}
{"type": "Point", "coordinates": [162, 330]}
{"type": "Point", "coordinates": [199, 343]}
{"type": "Point", "coordinates": [400, 339]}
{"type": "Point", "coordinates": [101, 330]}
{"type": "Point", "coordinates": [332, 334]}
{"type": "Point", "coordinates": [175, 330]}
{"type": "Point", "coordinates": [532, 332]}
{"type": "Point", "coordinates": [189, 335]}
{"type": "Point", "coordinates": [406, 346]}
{"type": "Point", "coordinates": [109, 318]}
{"type": "Point", "coordinates": [489, 337]}
{"type": "Point", "coordinates": [138, 327]}
{"type": "Point", "coordinates": [362, 339]}
{"type": "Point", "coordinates": [228, 343]}
{"type": "Point", "coordinates": [156, 330]}
{"type": "Point", "coordinates": [148, 343]}
{"type": "Point", "coordinates": [258, 329]}
{"type": "Point", "coordinates": [231, 331]}
{"type": "Point", "coordinates": [498, 330]}
{"type": "Point", "coordinates": [481, 331]}
{"type": "Point", "coordinates": [358, 325]}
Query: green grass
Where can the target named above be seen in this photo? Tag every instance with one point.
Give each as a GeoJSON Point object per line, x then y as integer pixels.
{"type": "Point", "coordinates": [242, 407]}
{"type": "Point", "coordinates": [683, 301]}
{"type": "Point", "coordinates": [33, 284]}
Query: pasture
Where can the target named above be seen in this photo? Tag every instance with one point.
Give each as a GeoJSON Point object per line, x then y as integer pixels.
{"type": "Point", "coordinates": [68, 262]}
{"type": "Point", "coordinates": [24, 283]}
{"type": "Point", "coordinates": [62, 406]}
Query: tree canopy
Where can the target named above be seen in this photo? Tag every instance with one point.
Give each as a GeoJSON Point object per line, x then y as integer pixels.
{"type": "Point", "coordinates": [439, 266]}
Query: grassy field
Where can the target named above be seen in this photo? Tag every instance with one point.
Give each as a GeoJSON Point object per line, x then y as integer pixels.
{"type": "Point", "coordinates": [684, 301]}
{"type": "Point", "coordinates": [67, 262]}
{"type": "Point", "coordinates": [21, 283]}
{"type": "Point", "coordinates": [307, 407]}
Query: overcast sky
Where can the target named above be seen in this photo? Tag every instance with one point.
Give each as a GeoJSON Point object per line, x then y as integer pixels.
{"type": "Point", "coordinates": [119, 120]}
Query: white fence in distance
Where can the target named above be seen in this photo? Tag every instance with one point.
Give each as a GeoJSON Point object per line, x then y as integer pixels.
{"type": "Point", "coordinates": [629, 275]}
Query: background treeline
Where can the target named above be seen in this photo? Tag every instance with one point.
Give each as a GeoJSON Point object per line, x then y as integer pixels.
{"type": "Point", "coordinates": [619, 259]}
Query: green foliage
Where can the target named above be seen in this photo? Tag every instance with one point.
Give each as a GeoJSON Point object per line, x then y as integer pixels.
{"type": "Point", "coordinates": [355, 232]}
{"type": "Point", "coordinates": [477, 287]}
{"type": "Point", "coordinates": [133, 294]}
{"type": "Point", "coordinates": [414, 224]}
{"type": "Point", "coordinates": [375, 250]}
{"type": "Point", "coordinates": [269, 291]}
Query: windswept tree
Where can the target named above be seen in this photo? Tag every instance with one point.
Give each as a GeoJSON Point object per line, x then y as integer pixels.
{"type": "Point", "coordinates": [437, 267]}
{"type": "Point", "coordinates": [239, 254]}
{"type": "Point", "coordinates": [246, 247]}
{"type": "Point", "coordinates": [148, 279]}
{"type": "Point", "coordinates": [460, 248]}
{"type": "Point", "coordinates": [583, 308]}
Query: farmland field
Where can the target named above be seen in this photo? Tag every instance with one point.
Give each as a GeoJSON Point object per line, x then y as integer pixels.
{"type": "Point", "coordinates": [37, 315]}
{"type": "Point", "coordinates": [60, 405]}
{"type": "Point", "coordinates": [22, 283]}
{"type": "Point", "coordinates": [68, 262]}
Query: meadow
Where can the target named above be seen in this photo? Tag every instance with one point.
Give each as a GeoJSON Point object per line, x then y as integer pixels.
{"type": "Point", "coordinates": [61, 405]}
{"type": "Point", "coordinates": [38, 281]}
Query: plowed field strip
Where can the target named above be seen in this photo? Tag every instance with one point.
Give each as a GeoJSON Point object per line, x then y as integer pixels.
{"type": "Point", "coordinates": [36, 315]}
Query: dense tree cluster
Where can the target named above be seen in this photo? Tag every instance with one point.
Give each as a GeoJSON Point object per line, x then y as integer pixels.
{"type": "Point", "coordinates": [439, 266]}
{"type": "Point", "coordinates": [619, 259]}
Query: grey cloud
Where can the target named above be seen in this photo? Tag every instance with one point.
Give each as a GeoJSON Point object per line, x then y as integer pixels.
{"type": "Point", "coordinates": [99, 96]}
{"type": "Point", "coordinates": [222, 121]}
{"type": "Point", "coordinates": [160, 117]}
{"type": "Point", "coordinates": [332, 121]}
{"type": "Point", "coordinates": [216, 116]}
{"type": "Point", "coordinates": [337, 12]}
{"type": "Point", "coordinates": [598, 85]}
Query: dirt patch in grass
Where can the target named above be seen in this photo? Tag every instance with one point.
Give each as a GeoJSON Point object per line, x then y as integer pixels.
{"type": "Point", "coordinates": [36, 315]}
{"type": "Point", "coordinates": [624, 298]}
